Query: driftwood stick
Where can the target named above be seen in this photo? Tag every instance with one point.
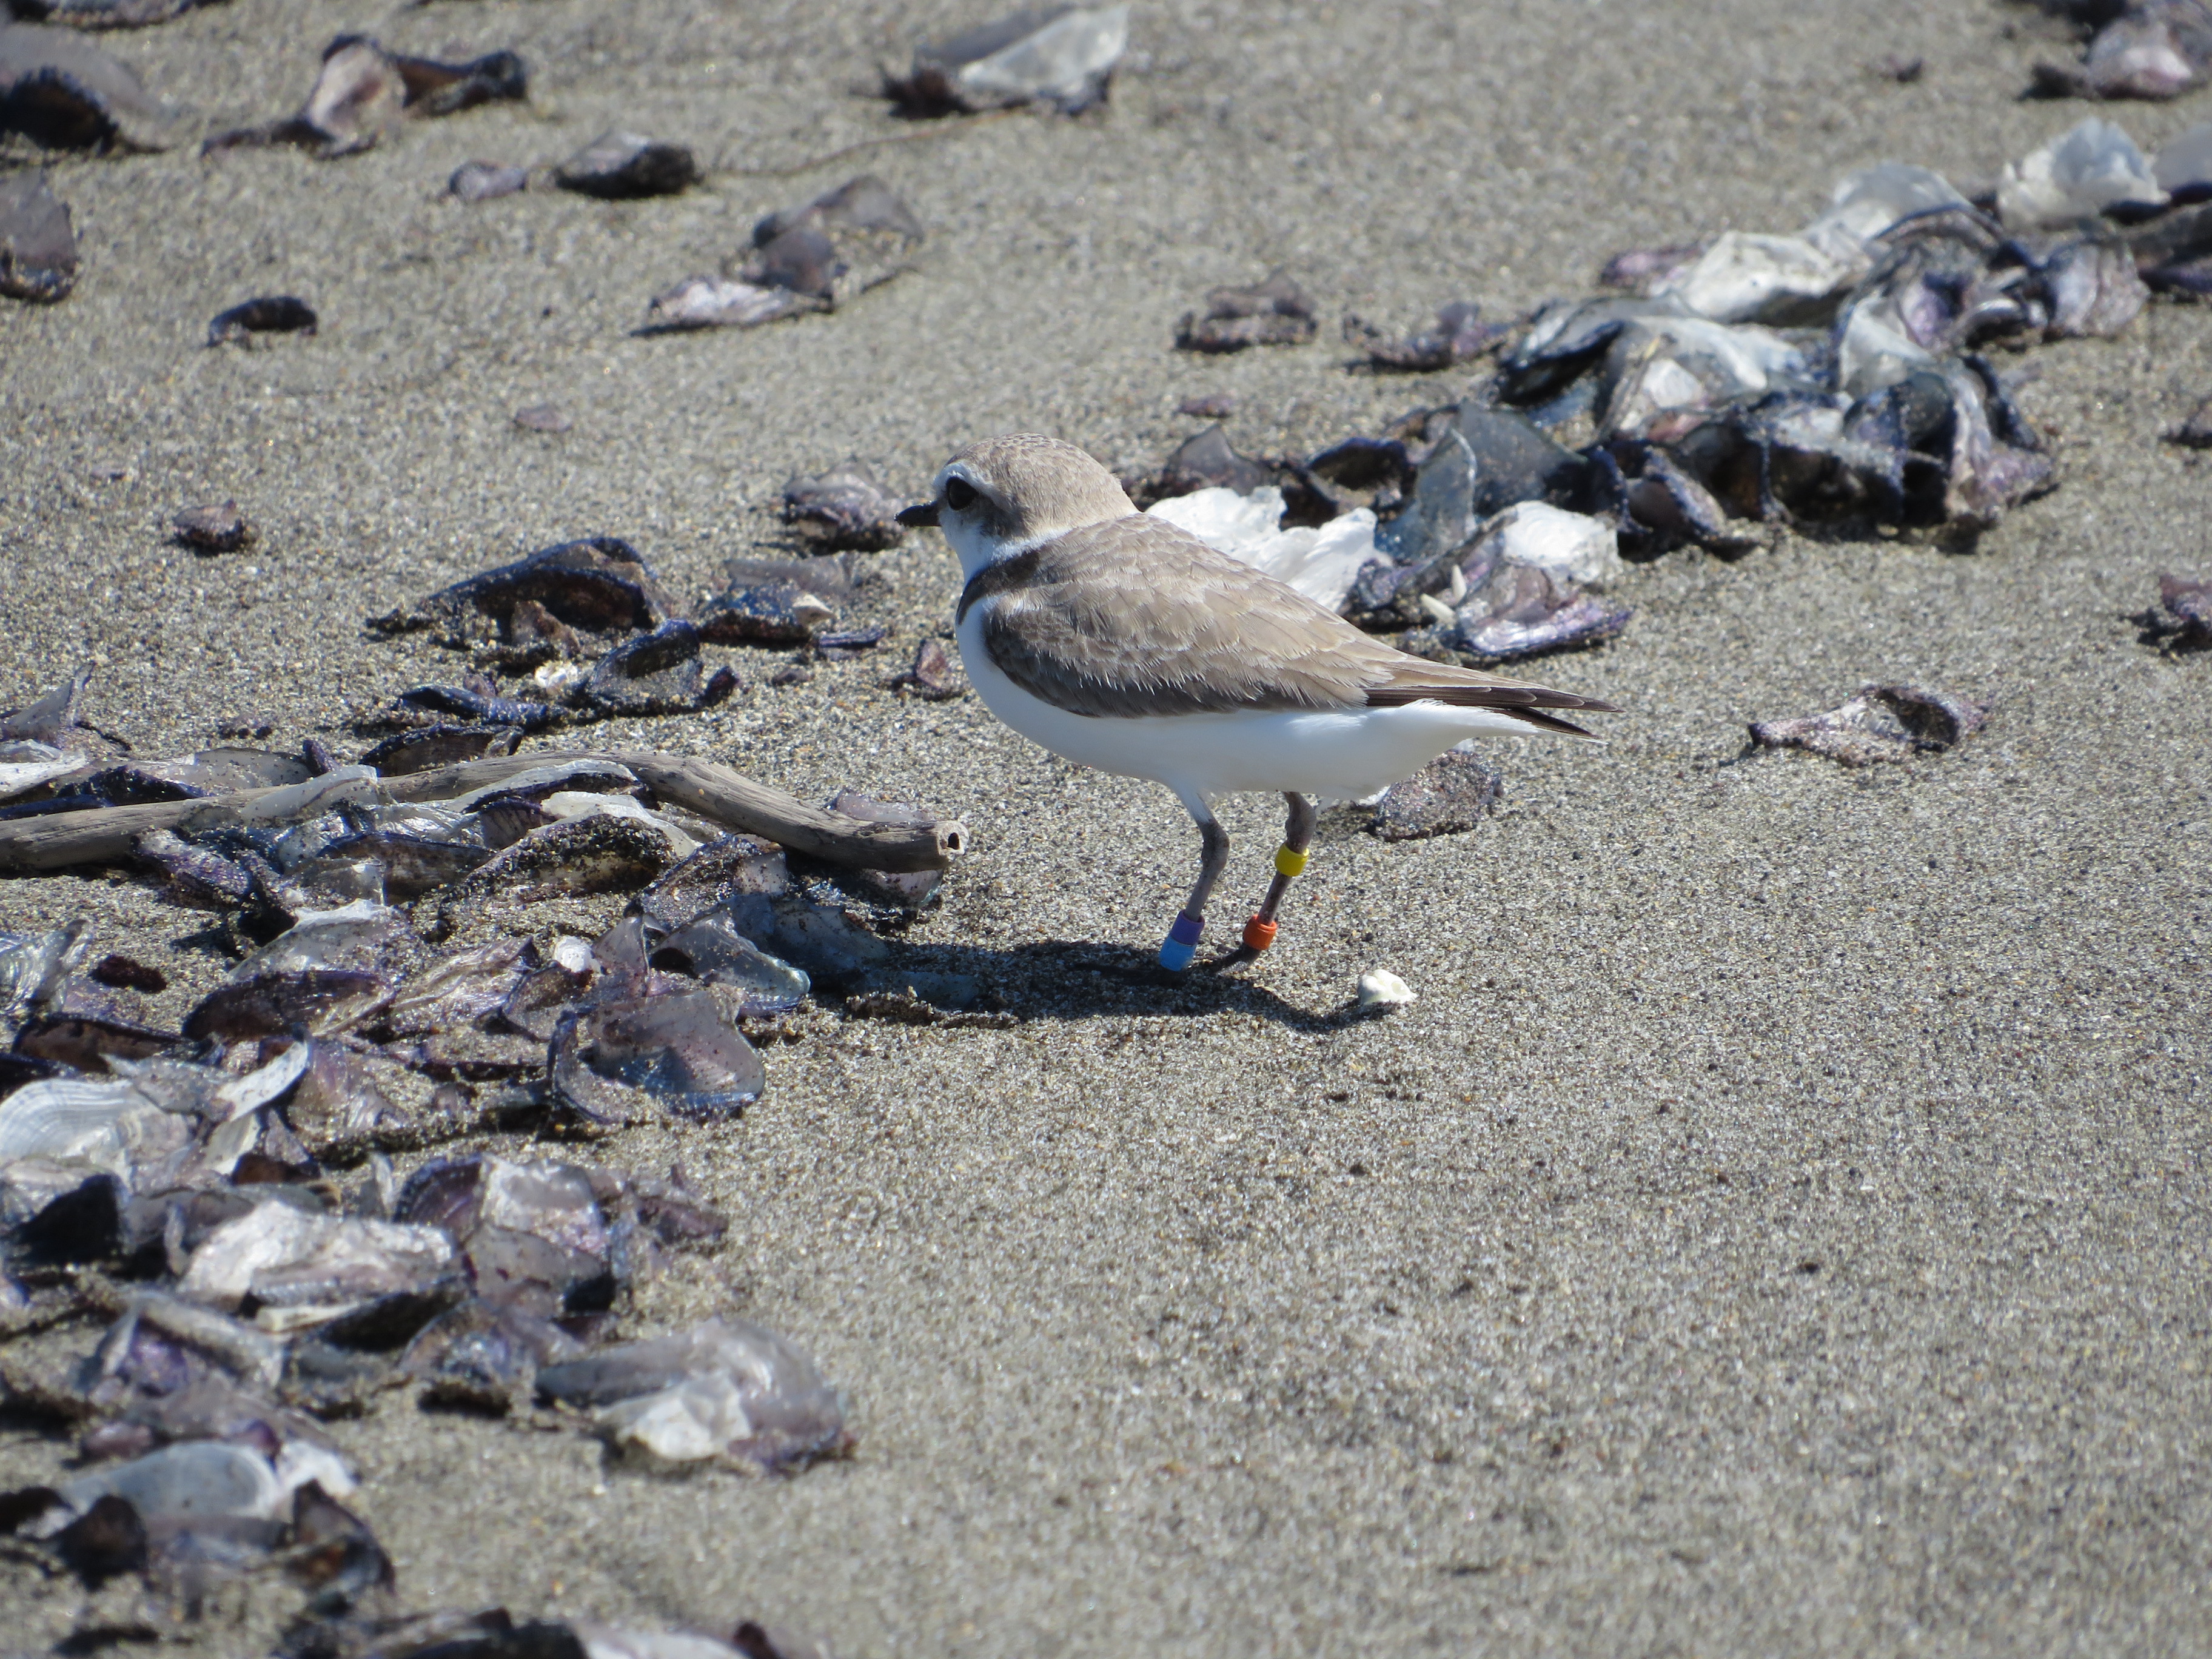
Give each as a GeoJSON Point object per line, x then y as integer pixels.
{"type": "Point", "coordinates": [103, 835]}
{"type": "Point", "coordinates": [729, 796]}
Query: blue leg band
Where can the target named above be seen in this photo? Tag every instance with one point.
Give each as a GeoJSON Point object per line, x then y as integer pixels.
{"type": "Point", "coordinates": [1182, 944]}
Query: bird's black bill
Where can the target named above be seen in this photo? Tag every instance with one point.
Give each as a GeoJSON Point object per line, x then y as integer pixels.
{"type": "Point", "coordinates": [920, 516]}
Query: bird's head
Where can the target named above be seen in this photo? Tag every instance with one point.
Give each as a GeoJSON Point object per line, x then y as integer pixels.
{"type": "Point", "coordinates": [1002, 496]}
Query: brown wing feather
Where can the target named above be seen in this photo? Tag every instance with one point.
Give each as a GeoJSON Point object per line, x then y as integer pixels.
{"type": "Point", "coordinates": [1135, 616]}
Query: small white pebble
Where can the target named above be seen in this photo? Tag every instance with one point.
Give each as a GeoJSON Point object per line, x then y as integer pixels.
{"type": "Point", "coordinates": [1381, 988]}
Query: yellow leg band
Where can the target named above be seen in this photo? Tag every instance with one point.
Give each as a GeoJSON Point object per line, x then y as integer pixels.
{"type": "Point", "coordinates": [1288, 863]}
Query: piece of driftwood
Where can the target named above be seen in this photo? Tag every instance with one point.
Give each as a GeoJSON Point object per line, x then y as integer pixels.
{"type": "Point", "coordinates": [104, 834]}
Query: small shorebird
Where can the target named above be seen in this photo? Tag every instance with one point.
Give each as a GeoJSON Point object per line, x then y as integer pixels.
{"type": "Point", "coordinates": [1122, 643]}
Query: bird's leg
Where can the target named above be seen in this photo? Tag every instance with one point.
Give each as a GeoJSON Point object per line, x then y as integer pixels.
{"type": "Point", "coordinates": [1180, 945]}
{"type": "Point", "coordinates": [1289, 859]}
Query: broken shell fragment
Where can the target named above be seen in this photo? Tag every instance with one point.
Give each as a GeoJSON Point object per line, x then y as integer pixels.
{"type": "Point", "coordinates": [38, 244]}
{"type": "Point", "coordinates": [1275, 312]}
{"type": "Point", "coordinates": [1450, 795]}
{"type": "Point", "coordinates": [485, 181]}
{"type": "Point", "coordinates": [61, 91]}
{"type": "Point", "coordinates": [843, 509]}
{"type": "Point", "coordinates": [726, 1390]}
{"type": "Point", "coordinates": [1882, 723]}
{"type": "Point", "coordinates": [275, 313]}
{"type": "Point", "coordinates": [1381, 988]}
{"type": "Point", "coordinates": [1063, 57]}
{"type": "Point", "coordinates": [221, 528]}
{"type": "Point", "coordinates": [542, 417]}
{"type": "Point", "coordinates": [622, 166]}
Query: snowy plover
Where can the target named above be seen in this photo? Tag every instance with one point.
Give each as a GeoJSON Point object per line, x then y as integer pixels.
{"type": "Point", "coordinates": [1122, 642]}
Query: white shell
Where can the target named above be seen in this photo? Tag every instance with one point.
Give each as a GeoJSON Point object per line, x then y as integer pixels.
{"type": "Point", "coordinates": [1381, 988]}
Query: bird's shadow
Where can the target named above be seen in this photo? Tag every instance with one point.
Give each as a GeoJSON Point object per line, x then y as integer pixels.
{"type": "Point", "coordinates": [1071, 979]}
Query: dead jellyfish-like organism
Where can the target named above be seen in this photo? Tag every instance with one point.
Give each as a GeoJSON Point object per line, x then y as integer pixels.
{"type": "Point", "coordinates": [1458, 336]}
{"type": "Point", "coordinates": [430, 746]}
{"type": "Point", "coordinates": [599, 586]}
{"type": "Point", "coordinates": [61, 91]}
{"type": "Point", "coordinates": [844, 508]}
{"type": "Point", "coordinates": [217, 528]}
{"type": "Point", "coordinates": [38, 244]}
{"type": "Point", "coordinates": [485, 181]}
{"type": "Point", "coordinates": [658, 673]}
{"type": "Point", "coordinates": [709, 948]}
{"type": "Point", "coordinates": [2154, 49]}
{"type": "Point", "coordinates": [776, 601]}
{"type": "Point", "coordinates": [1450, 795]}
{"type": "Point", "coordinates": [274, 313]}
{"type": "Point", "coordinates": [1064, 58]}
{"type": "Point", "coordinates": [2186, 621]}
{"type": "Point", "coordinates": [624, 165]}
{"type": "Point", "coordinates": [841, 244]}
{"type": "Point", "coordinates": [1275, 312]}
{"type": "Point", "coordinates": [642, 1057]}
{"type": "Point", "coordinates": [1882, 723]}
{"type": "Point", "coordinates": [726, 1391]}
{"type": "Point", "coordinates": [723, 868]}
{"type": "Point", "coordinates": [362, 92]}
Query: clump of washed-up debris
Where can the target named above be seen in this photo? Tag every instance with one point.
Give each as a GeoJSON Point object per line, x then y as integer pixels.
{"type": "Point", "coordinates": [1839, 380]}
{"type": "Point", "coordinates": [227, 1231]}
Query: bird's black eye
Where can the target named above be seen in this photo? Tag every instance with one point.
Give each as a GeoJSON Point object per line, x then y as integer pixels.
{"type": "Point", "coordinates": [959, 494]}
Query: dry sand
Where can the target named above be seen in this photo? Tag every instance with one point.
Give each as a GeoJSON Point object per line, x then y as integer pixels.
{"type": "Point", "coordinates": [1781, 1223]}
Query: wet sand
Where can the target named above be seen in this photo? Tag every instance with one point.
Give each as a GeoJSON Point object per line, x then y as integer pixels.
{"type": "Point", "coordinates": [1781, 1223]}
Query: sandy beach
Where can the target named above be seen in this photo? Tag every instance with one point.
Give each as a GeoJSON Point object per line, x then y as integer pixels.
{"type": "Point", "coordinates": [1780, 1224]}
